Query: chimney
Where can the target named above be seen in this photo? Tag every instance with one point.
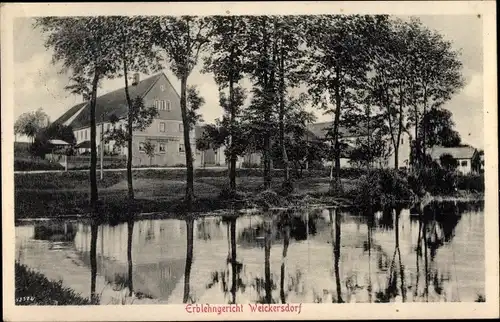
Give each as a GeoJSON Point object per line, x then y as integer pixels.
{"type": "Point", "coordinates": [136, 79]}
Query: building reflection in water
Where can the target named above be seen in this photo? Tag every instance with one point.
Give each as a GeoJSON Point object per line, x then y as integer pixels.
{"type": "Point", "coordinates": [284, 256]}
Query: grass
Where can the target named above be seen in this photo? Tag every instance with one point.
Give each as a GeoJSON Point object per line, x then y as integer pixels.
{"type": "Point", "coordinates": [67, 193]}
{"type": "Point", "coordinates": [33, 288]}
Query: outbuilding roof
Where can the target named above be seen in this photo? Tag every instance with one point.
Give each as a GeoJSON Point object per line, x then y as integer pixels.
{"type": "Point", "coordinates": [461, 152]}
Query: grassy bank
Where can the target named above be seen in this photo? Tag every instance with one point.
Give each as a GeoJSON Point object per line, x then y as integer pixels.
{"type": "Point", "coordinates": [33, 288]}
{"type": "Point", "coordinates": [67, 193]}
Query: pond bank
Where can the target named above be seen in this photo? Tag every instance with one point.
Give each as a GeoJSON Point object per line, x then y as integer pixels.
{"type": "Point", "coordinates": [67, 196]}
{"type": "Point", "coordinates": [33, 288]}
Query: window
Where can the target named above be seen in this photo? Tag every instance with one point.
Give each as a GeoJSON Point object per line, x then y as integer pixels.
{"type": "Point", "coordinates": [157, 105]}
{"type": "Point", "coordinates": [162, 148]}
{"type": "Point", "coordinates": [181, 127]}
{"type": "Point", "coordinates": [141, 147]}
{"type": "Point", "coordinates": [463, 163]}
{"type": "Point", "coordinates": [168, 105]}
{"type": "Point", "coordinates": [107, 127]}
{"type": "Point", "coordinates": [85, 134]}
{"type": "Point", "coordinates": [402, 141]}
{"type": "Point", "coordinates": [162, 126]}
{"type": "Point", "coordinates": [182, 148]}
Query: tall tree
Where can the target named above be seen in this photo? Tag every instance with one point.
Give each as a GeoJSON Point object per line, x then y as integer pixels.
{"type": "Point", "coordinates": [262, 51]}
{"type": "Point", "coordinates": [182, 38]}
{"type": "Point", "coordinates": [30, 123]}
{"type": "Point", "coordinates": [439, 73]}
{"type": "Point", "coordinates": [133, 50]}
{"type": "Point", "coordinates": [339, 60]}
{"type": "Point", "coordinates": [222, 133]}
{"type": "Point", "coordinates": [438, 126]}
{"type": "Point", "coordinates": [290, 32]}
{"type": "Point", "coordinates": [85, 48]}
{"type": "Point", "coordinates": [226, 61]}
{"type": "Point", "coordinates": [391, 81]}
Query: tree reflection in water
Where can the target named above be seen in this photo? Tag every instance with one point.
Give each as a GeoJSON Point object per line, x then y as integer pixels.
{"type": "Point", "coordinates": [335, 233]}
{"type": "Point", "coordinates": [93, 261]}
{"type": "Point", "coordinates": [391, 291]}
{"type": "Point", "coordinates": [235, 266]}
{"type": "Point", "coordinates": [130, 231]}
{"type": "Point", "coordinates": [285, 220]}
{"type": "Point", "coordinates": [189, 258]}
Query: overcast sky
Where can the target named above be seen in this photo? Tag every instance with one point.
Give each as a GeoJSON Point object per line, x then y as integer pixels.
{"type": "Point", "coordinates": [38, 83]}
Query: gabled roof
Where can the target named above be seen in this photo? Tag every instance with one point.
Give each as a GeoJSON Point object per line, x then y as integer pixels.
{"type": "Point", "coordinates": [359, 129]}
{"type": "Point", "coordinates": [461, 152]}
{"type": "Point", "coordinates": [112, 103]}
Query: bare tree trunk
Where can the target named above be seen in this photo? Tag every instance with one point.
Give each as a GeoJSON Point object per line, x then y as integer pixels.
{"type": "Point", "coordinates": [286, 164]}
{"type": "Point", "coordinates": [268, 87]}
{"type": "Point", "coordinates": [187, 146]}
{"type": "Point", "coordinates": [129, 134]}
{"type": "Point", "coordinates": [424, 119]}
{"type": "Point", "coordinates": [232, 156]}
{"type": "Point", "coordinates": [335, 184]}
{"type": "Point", "coordinates": [93, 148]}
{"type": "Point", "coordinates": [400, 129]}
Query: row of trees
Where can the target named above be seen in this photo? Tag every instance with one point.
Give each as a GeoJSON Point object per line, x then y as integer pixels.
{"type": "Point", "coordinates": [347, 66]}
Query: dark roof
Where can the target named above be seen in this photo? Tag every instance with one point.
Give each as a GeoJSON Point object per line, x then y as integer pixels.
{"type": "Point", "coordinates": [460, 152]}
{"type": "Point", "coordinates": [83, 145]}
{"type": "Point", "coordinates": [112, 103]}
{"type": "Point", "coordinates": [359, 129]}
{"type": "Point", "coordinates": [69, 113]}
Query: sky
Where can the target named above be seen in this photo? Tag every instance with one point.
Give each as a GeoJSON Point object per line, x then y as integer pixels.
{"type": "Point", "coordinates": [39, 83]}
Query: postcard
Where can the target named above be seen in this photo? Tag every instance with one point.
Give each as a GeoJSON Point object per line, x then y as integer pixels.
{"type": "Point", "coordinates": [249, 160]}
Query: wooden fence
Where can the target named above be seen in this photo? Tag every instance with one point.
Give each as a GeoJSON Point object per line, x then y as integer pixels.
{"type": "Point", "coordinates": [83, 161]}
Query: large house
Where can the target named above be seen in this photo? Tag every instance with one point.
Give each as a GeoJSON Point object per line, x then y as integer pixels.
{"type": "Point", "coordinates": [165, 132]}
{"type": "Point", "coordinates": [349, 136]}
{"type": "Point", "coordinates": [465, 156]}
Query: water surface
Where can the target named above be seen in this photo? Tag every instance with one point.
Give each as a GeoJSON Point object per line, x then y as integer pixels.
{"type": "Point", "coordinates": [309, 256]}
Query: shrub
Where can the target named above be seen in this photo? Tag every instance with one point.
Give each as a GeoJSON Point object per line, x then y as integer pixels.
{"type": "Point", "coordinates": [30, 164]}
{"type": "Point", "coordinates": [250, 165]}
{"type": "Point", "coordinates": [471, 182]}
{"type": "Point", "coordinates": [382, 187]}
{"type": "Point", "coordinates": [433, 179]}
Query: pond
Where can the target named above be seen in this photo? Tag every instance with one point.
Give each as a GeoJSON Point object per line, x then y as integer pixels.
{"type": "Point", "coordinates": [308, 256]}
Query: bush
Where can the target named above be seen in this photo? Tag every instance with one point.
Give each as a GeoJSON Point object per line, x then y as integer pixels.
{"type": "Point", "coordinates": [250, 165]}
{"type": "Point", "coordinates": [31, 164]}
{"type": "Point", "coordinates": [435, 180]}
{"type": "Point", "coordinates": [382, 187]}
{"type": "Point", "coordinates": [471, 182]}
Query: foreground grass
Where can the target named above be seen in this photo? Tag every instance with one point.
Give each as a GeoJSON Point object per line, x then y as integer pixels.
{"type": "Point", "coordinates": [33, 288]}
